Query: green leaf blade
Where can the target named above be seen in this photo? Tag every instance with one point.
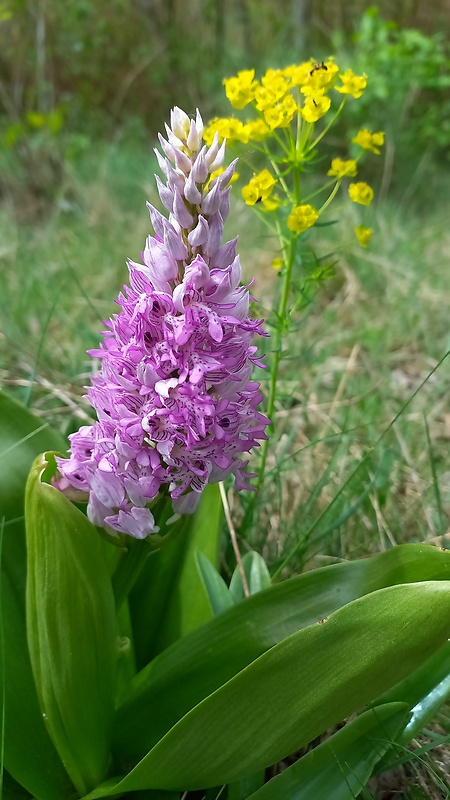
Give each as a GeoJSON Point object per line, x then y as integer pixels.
{"type": "Point", "coordinates": [299, 688]}
{"type": "Point", "coordinates": [29, 754]}
{"type": "Point", "coordinates": [197, 665]}
{"type": "Point", "coordinates": [340, 767]}
{"type": "Point", "coordinates": [71, 630]}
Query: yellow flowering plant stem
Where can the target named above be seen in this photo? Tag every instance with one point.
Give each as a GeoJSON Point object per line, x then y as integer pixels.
{"type": "Point", "coordinates": [290, 106]}
{"type": "Point", "coordinates": [326, 128]}
{"type": "Point", "coordinates": [277, 351]}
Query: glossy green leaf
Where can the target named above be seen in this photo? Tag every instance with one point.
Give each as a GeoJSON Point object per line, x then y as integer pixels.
{"type": "Point", "coordinates": [169, 600]}
{"type": "Point", "coordinates": [29, 753]}
{"type": "Point", "coordinates": [340, 767]}
{"type": "Point", "coordinates": [188, 608]}
{"type": "Point", "coordinates": [71, 629]}
{"type": "Point", "coordinates": [296, 690]}
{"type": "Point", "coordinates": [240, 790]}
{"type": "Point", "coordinates": [257, 574]}
{"type": "Point", "coordinates": [215, 586]}
{"type": "Point", "coordinates": [195, 666]}
{"type": "Point", "coordinates": [424, 692]}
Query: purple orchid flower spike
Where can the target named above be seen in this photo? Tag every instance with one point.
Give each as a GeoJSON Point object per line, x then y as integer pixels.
{"type": "Point", "coordinates": [176, 407]}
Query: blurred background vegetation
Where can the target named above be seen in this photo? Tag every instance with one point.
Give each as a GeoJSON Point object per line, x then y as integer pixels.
{"type": "Point", "coordinates": [77, 72]}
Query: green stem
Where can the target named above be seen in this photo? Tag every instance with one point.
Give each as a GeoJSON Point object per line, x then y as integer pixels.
{"type": "Point", "coordinates": [326, 128]}
{"type": "Point", "coordinates": [277, 355]}
{"type": "Point", "coordinates": [331, 197]}
{"type": "Point", "coordinates": [129, 568]}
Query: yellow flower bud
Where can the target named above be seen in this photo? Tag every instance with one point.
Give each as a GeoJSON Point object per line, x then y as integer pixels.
{"type": "Point", "coordinates": [363, 235]}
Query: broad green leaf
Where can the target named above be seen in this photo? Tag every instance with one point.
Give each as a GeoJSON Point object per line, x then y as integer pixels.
{"type": "Point", "coordinates": [11, 790]}
{"type": "Point", "coordinates": [292, 693]}
{"type": "Point", "coordinates": [188, 608]}
{"type": "Point", "coordinates": [339, 768]}
{"type": "Point", "coordinates": [240, 790]}
{"type": "Point", "coordinates": [29, 753]}
{"type": "Point", "coordinates": [22, 437]}
{"type": "Point", "coordinates": [257, 574]}
{"type": "Point", "coordinates": [169, 600]}
{"type": "Point", "coordinates": [215, 586]}
{"type": "Point", "coordinates": [71, 629]}
{"type": "Point", "coordinates": [197, 665]}
{"type": "Point", "coordinates": [424, 692]}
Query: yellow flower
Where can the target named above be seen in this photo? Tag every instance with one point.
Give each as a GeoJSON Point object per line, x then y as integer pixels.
{"type": "Point", "coordinates": [240, 89]}
{"type": "Point", "coordinates": [251, 194]}
{"type": "Point", "coordinates": [256, 130]}
{"type": "Point", "coordinates": [369, 141]}
{"type": "Point", "coordinates": [361, 193]}
{"type": "Point", "coordinates": [281, 115]}
{"type": "Point", "coordinates": [228, 128]}
{"type": "Point", "coordinates": [277, 263]}
{"type": "Point", "coordinates": [363, 235]}
{"type": "Point", "coordinates": [265, 98]}
{"type": "Point", "coordinates": [352, 84]}
{"type": "Point", "coordinates": [299, 74]}
{"type": "Point", "coordinates": [276, 83]}
{"type": "Point", "coordinates": [258, 188]}
{"type": "Point", "coordinates": [321, 76]}
{"type": "Point", "coordinates": [341, 168]}
{"type": "Point", "coordinates": [302, 218]}
{"type": "Point", "coordinates": [272, 204]}
{"type": "Point", "coordinates": [315, 107]}
{"type": "Point", "coordinates": [309, 90]}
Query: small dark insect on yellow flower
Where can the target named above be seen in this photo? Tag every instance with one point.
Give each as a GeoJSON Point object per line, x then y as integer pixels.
{"type": "Point", "coordinates": [319, 66]}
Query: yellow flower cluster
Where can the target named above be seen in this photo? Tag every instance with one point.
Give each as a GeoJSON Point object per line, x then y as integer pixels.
{"type": "Point", "coordinates": [361, 193]}
{"type": "Point", "coordinates": [259, 188]}
{"type": "Point", "coordinates": [273, 99]}
{"type": "Point", "coordinates": [369, 141]}
{"type": "Point", "coordinates": [302, 218]}
{"type": "Point", "coordinates": [342, 169]}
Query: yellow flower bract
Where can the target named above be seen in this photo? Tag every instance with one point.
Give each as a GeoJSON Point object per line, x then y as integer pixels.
{"type": "Point", "coordinates": [369, 141]}
{"type": "Point", "coordinates": [363, 235]}
{"type": "Point", "coordinates": [341, 168]}
{"type": "Point", "coordinates": [361, 193]}
{"type": "Point", "coordinates": [302, 218]}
